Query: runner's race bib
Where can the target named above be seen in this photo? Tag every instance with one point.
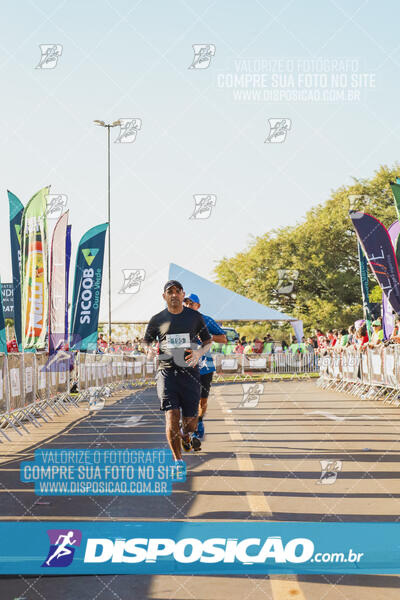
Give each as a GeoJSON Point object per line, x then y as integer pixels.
{"type": "Point", "coordinates": [178, 340]}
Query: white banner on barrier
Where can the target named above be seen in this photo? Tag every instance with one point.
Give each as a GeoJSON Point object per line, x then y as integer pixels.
{"type": "Point", "coordinates": [28, 379]}
{"type": "Point", "coordinates": [15, 383]}
{"type": "Point", "coordinates": [257, 363]}
{"type": "Point", "coordinates": [390, 368]}
{"type": "Point", "coordinates": [62, 378]}
{"type": "Point", "coordinates": [229, 364]}
{"type": "Point", "coordinates": [364, 364]}
{"type": "Point", "coordinates": [42, 379]}
{"type": "Point", "coordinates": [376, 363]}
{"type": "Point", "coordinates": [336, 366]}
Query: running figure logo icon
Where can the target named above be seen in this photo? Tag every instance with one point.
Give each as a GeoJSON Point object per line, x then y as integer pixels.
{"type": "Point", "coordinates": [50, 55]}
{"type": "Point", "coordinates": [251, 395]}
{"type": "Point", "coordinates": [329, 471]}
{"type": "Point", "coordinates": [203, 205]}
{"type": "Point", "coordinates": [128, 130]}
{"type": "Point", "coordinates": [132, 280]}
{"type": "Point", "coordinates": [62, 547]}
{"type": "Point", "coordinates": [56, 204]}
{"type": "Point", "coordinates": [287, 279]}
{"type": "Point", "coordinates": [278, 129]}
{"type": "Point", "coordinates": [203, 54]}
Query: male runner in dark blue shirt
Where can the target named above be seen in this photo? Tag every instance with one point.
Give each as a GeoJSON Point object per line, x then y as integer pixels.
{"type": "Point", "coordinates": [177, 330]}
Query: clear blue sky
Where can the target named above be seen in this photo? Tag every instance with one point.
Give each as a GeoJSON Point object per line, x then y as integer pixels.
{"type": "Point", "coordinates": [131, 59]}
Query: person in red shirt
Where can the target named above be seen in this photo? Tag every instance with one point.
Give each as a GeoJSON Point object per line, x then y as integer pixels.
{"type": "Point", "coordinates": [12, 345]}
{"type": "Point", "coordinates": [334, 337]}
{"type": "Point", "coordinates": [330, 336]}
{"type": "Point", "coordinates": [362, 337]}
{"type": "Point", "coordinates": [239, 348]}
{"type": "Point", "coordinates": [101, 343]}
{"type": "Point", "coordinates": [320, 337]}
{"type": "Point", "coordinates": [258, 346]}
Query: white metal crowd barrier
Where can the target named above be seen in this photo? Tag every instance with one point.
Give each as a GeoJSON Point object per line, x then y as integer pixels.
{"type": "Point", "coordinates": [279, 362]}
{"type": "Point", "coordinates": [372, 373]}
{"type": "Point", "coordinates": [35, 386]}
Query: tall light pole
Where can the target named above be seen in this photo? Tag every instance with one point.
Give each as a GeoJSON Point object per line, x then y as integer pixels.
{"type": "Point", "coordinates": [108, 127]}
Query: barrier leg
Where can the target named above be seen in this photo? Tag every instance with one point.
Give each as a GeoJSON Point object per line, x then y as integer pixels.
{"type": "Point", "coordinates": [44, 403]}
{"type": "Point", "coordinates": [30, 417]}
{"type": "Point", "coordinates": [20, 424]}
{"type": "Point", "coordinates": [41, 412]}
{"type": "Point", "coordinates": [5, 417]}
{"type": "Point", "coordinates": [392, 396]}
{"type": "Point", "coordinates": [58, 401]}
{"type": "Point", "coordinates": [4, 434]}
{"type": "Point", "coordinates": [52, 406]}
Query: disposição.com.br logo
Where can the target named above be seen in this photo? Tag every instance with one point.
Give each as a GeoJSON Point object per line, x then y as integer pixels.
{"type": "Point", "coordinates": [62, 547]}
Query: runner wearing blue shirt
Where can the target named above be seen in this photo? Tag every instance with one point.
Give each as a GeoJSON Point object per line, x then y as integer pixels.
{"type": "Point", "coordinates": [206, 362]}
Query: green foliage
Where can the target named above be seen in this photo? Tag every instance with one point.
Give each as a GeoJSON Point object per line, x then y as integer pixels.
{"type": "Point", "coordinates": [260, 329]}
{"type": "Point", "coordinates": [323, 249]}
{"type": "Point", "coordinates": [375, 294]}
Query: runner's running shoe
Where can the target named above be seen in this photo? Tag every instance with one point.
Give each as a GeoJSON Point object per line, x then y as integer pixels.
{"type": "Point", "coordinates": [196, 444]}
{"type": "Point", "coordinates": [186, 445]}
{"type": "Point", "coordinates": [200, 429]}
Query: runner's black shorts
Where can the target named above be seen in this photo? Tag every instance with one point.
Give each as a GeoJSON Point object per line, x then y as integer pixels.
{"type": "Point", "coordinates": [205, 384]}
{"type": "Point", "coordinates": [179, 388]}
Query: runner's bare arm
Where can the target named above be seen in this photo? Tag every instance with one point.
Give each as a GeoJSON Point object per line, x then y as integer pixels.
{"type": "Point", "coordinates": [220, 339]}
{"type": "Point", "coordinates": [149, 338]}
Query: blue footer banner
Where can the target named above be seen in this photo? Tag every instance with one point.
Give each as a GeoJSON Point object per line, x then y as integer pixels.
{"type": "Point", "coordinates": [218, 548]}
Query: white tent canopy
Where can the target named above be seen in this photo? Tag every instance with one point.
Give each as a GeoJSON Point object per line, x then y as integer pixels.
{"type": "Point", "coordinates": [220, 303]}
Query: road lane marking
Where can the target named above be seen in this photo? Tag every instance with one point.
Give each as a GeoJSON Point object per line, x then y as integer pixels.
{"type": "Point", "coordinates": [258, 503]}
{"type": "Point", "coordinates": [334, 417]}
{"type": "Point", "coordinates": [282, 589]}
{"type": "Point", "coordinates": [245, 463]}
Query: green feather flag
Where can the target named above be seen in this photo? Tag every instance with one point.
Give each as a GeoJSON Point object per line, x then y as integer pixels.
{"type": "Point", "coordinates": [396, 193]}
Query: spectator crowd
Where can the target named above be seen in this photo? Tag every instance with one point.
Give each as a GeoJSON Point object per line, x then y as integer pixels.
{"type": "Point", "coordinates": [265, 345]}
{"type": "Point", "coordinates": [360, 335]}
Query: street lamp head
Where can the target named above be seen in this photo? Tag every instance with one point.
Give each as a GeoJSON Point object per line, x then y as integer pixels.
{"type": "Point", "coordinates": [116, 123]}
{"type": "Point", "coordinates": [99, 123]}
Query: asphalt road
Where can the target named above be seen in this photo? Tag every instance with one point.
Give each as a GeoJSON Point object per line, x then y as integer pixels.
{"type": "Point", "coordinates": [260, 461]}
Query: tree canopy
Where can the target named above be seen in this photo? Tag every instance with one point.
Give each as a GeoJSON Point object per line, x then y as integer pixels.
{"type": "Point", "coordinates": [322, 250]}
